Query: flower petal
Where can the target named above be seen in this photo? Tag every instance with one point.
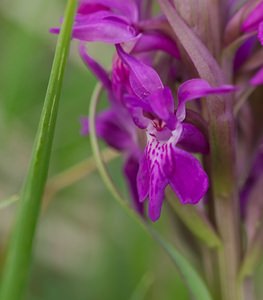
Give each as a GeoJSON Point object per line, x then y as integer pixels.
{"type": "Point", "coordinates": [86, 7]}
{"type": "Point", "coordinates": [143, 179]}
{"type": "Point", "coordinates": [144, 80]}
{"type": "Point", "coordinates": [131, 168]}
{"type": "Point", "coordinates": [156, 193]}
{"type": "Point", "coordinates": [128, 9]}
{"type": "Point", "coordinates": [258, 78]}
{"type": "Point", "coordinates": [188, 179]}
{"type": "Point", "coordinates": [136, 107]}
{"type": "Point", "coordinates": [111, 30]}
{"type": "Point", "coordinates": [110, 128]}
{"type": "Point", "coordinates": [193, 140]}
{"type": "Point", "coordinates": [260, 33]}
{"type": "Point", "coordinates": [164, 163]}
{"type": "Point", "coordinates": [253, 19]}
{"type": "Point", "coordinates": [194, 89]}
{"type": "Point", "coordinates": [162, 103]}
{"type": "Point", "coordinates": [244, 52]}
{"type": "Point", "coordinates": [156, 41]}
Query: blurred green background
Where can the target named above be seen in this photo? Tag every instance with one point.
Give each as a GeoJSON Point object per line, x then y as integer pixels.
{"type": "Point", "coordinates": [86, 246]}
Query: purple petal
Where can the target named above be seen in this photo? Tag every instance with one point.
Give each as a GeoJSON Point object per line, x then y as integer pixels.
{"type": "Point", "coordinates": [86, 7]}
{"type": "Point", "coordinates": [193, 140]}
{"type": "Point", "coordinates": [144, 80]}
{"type": "Point", "coordinates": [82, 19]}
{"type": "Point", "coordinates": [109, 128]}
{"type": "Point", "coordinates": [164, 164]}
{"type": "Point", "coordinates": [96, 68]}
{"type": "Point", "coordinates": [143, 179]}
{"type": "Point", "coordinates": [131, 169]}
{"type": "Point", "coordinates": [156, 41]}
{"type": "Point", "coordinates": [253, 19]}
{"type": "Point", "coordinates": [188, 179]}
{"type": "Point", "coordinates": [156, 193]}
{"type": "Point", "coordinates": [194, 89]}
{"type": "Point", "coordinates": [156, 156]}
{"type": "Point", "coordinates": [136, 107]}
{"type": "Point", "coordinates": [260, 33]}
{"type": "Point", "coordinates": [258, 78]}
{"type": "Point", "coordinates": [112, 30]}
{"type": "Point", "coordinates": [162, 103]}
{"type": "Point", "coordinates": [128, 9]}
{"type": "Point", "coordinates": [244, 52]}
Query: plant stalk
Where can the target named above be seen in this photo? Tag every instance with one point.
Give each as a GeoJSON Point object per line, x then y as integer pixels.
{"type": "Point", "coordinates": [18, 259]}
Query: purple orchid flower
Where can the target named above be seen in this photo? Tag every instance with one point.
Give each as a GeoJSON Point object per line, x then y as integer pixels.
{"type": "Point", "coordinates": [115, 125]}
{"type": "Point", "coordinates": [116, 22]}
{"type": "Point", "coordinates": [165, 161]}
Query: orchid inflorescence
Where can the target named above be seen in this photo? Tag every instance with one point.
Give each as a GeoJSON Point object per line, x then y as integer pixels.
{"type": "Point", "coordinates": [143, 104]}
{"type": "Point", "coordinates": [183, 106]}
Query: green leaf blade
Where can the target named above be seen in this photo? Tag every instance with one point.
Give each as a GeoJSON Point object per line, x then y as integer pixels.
{"type": "Point", "coordinates": [17, 265]}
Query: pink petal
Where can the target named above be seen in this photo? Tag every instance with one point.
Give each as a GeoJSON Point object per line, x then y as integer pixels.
{"type": "Point", "coordinates": [144, 80]}
{"type": "Point", "coordinates": [188, 180]}
{"type": "Point", "coordinates": [194, 89]}
{"type": "Point", "coordinates": [143, 179]}
{"type": "Point", "coordinates": [193, 140]}
{"type": "Point", "coordinates": [253, 19]}
{"type": "Point", "coordinates": [131, 168]}
{"type": "Point", "coordinates": [128, 9]}
{"type": "Point", "coordinates": [156, 193]}
{"type": "Point", "coordinates": [258, 78]}
{"type": "Point", "coordinates": [162, 103]}
{"type": "Point", "coordinates": [105, 30]}
{"type": "Point", "coordinates": [260, 33]}
{"type": "Point", "coordinates": [156, 41]}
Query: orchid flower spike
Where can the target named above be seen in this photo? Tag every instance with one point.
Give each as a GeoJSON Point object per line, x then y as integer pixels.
{"type": "Point", "coordinates": [165, 161]}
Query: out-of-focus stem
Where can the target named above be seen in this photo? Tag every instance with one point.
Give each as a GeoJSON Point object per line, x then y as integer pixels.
{"type": "Point", "coordinates": [228, 255]}
{"type": "Point", "coordinates": [210, 269]}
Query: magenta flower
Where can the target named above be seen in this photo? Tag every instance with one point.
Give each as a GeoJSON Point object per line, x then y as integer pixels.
{"type": "Point", "coordinates": [165, 161]}
{"type": "Point", "coordinates": [115, 125]}
{"type": "Point", "coordinates": [116, 22]}
{"type": "Point", "coordinates": [110, 21]}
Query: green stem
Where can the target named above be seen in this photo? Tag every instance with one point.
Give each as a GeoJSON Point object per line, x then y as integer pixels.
{"type": "Point", "coordinates": [18, 260]}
